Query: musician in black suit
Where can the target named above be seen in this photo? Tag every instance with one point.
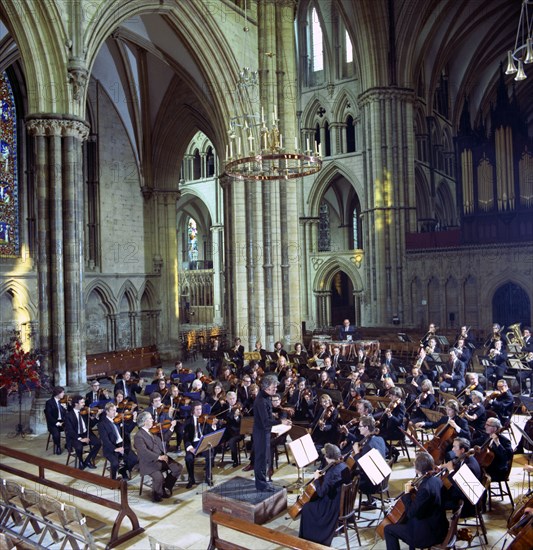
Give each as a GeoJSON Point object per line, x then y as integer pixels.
{"type": "Point", "coordinates": [502, 402]}
{"type": "Point", "coordinates": [55, 417]}
{"type": "Point", "coordinates": [347, 331]}
{"type": "Point", "coordinates": [498, 363]}
{"type": "Point", "coordinates": [452, 418]}
{"type": "Point", "coordinates": [193, 431]}
{"type": "Point", "coordinates": [475, 413]}
{"type": "Point", "coordinates": [455, 377]}
{"type": "Point", "coordinates": [501, 447]}
{"type": "Point", "coordinates": [128, 387]}
{"type": "Point", "coordinates": [153, 460]}
{"type": "Point", "coordinates": [426, 523]}
{"type": "Point", "coordinates": [237, 354]}
{"type": "Point", "coordinates": [156, 409]}
{"type": "Point", "coordinates": [78, 434]}
{"type": "Point", "coordinates": [116, 443]}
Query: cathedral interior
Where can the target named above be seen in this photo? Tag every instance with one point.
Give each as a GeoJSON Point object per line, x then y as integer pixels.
{"type": "Point", "coordinates": [112, 111]}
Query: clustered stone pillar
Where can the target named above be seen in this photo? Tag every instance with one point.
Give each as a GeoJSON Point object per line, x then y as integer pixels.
{"type": "Point", "coordinates": [60, 264]}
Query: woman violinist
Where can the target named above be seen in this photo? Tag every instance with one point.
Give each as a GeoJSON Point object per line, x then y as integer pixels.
{"type": "Point", "coordinates": [475, 413]}
{"type": "Point", "coordinates": [319, 516]}
{"type": "Point", "coordinates": [217, 399]}
{"type": "Point", "coordinates": [425, 399]}
{"type": "Point", "coordinates": [392, 419]}
{"type": "Point", "coordinates": [324, 424]}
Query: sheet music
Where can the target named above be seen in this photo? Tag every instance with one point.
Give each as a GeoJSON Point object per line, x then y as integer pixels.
{"type": "Point", "coordinates": [280, 429]}
{"type": "Point", "coordinates": [304, 451]}
{"type": "Point", "coordinates": [374, 466]}
{"type": "Point", "coordinates": [469, 484]}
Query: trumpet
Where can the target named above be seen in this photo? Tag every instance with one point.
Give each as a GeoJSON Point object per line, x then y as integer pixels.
{"type": "Point", "coordinates": [493, 352]}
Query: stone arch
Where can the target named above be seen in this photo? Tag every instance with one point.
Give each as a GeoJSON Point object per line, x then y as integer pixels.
{"type": "Point", "coordinates": [452, 302]}
{"type": "Point", "coordinates": [424, 210]}
{"type": "Point", "coordinates": [445, 211]}
{"type": "Point", "coordinates": [17, 312]}
{"type": "Point", "coordinates": [193, 206]}
{"type": "Point", "coordinates": [508, 278]}
{"type": "Point", "coordinates": [100, 317]}
{"type": "Point", "coordinates": [345, 104]}
{"type": "Point", "coordinates": [322, 182]}
{"type": "Point", "coordinates": [434, 297]}
{"type": "Point", "coordinates": [309, 115]}
{"type": "Point", "coordinates": [417, 311]}
{"type": "Point", "coordinates": [148, 319]}
{"type": "Point", "coordinates": [471, 301]}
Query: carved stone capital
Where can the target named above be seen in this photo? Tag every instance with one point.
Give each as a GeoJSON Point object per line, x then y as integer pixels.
{"type": "Point", "coordinates": [57, 127]}
{"type": "Point", "coordinates": [377, 94]}
{"type": "Point", "coordinates": [77, 78]}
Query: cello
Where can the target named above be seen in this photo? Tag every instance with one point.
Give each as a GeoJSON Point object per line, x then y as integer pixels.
{"type": "Point", "coordinates": [309, 492]}
{"type": "Point", "coordinates": [436, 447]}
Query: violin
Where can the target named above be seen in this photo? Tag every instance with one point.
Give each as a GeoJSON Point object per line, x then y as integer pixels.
{"type": "Point", "coordinates": [160, 427]}
{"type": "Point", "coordinates": [208, 419]}
{"type": "Point", "coordinates": [123, 417]}
{"type": "Point", "coordinates": [205, 379]}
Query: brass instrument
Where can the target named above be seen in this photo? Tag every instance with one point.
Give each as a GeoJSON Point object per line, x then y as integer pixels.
{"type": "Point", "coordinates": [514, 335]}
{"type": "Point", "coordinates": [494, 335]}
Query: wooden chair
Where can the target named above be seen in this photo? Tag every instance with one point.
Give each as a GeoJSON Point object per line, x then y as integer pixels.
{"type": "Point", "coordinates": [49, 440]}
{"type": "Point", "coordinates": [29, 500]}
{"type": "Point", "coordinates": [9, 490]}
{"type": "Point", "coordinates": [51, 514]}
{"type": "Point", "coordinates": [346, 518]}
{"type": "Point", "coordinates": [501, 489]}
{"type": "Point", "coordinates": [449, 543]}
{"type": "Point", "coordinates": [82, 527]}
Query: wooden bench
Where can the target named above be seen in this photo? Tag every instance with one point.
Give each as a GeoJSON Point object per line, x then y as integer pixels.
{"type": "Point", "coordinates": [258, 531]}
{"type": "Point", "coordinates": [113, 363]}
{"type": "Point", "coordinates": [115, 502]}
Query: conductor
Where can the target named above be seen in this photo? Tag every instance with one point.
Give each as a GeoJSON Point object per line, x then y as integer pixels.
{"type": "Point", "coordinates": [263, 422]}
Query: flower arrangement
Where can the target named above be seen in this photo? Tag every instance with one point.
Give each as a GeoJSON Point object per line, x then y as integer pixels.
{"type": "Point", "coordinates": [20, 370]}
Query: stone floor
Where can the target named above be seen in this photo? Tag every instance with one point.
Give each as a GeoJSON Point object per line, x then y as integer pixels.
{"type": "Point", "coordinates": [180, 521]}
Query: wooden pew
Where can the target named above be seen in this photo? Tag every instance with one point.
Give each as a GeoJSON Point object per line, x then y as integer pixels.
{"type": "Point", "coordinates": [113, 363]}
{"type": "Point", "coordinates": [258, 531]}
{"type": "Point", "coordinates": [116, 502]}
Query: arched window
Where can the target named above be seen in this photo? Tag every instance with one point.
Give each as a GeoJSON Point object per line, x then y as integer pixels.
{"type": "Point", "coordinates": [324, 235]}
{"type": "Point", "coordinates": [347, 58]}
{"type": "Point", "coordinates": [192, 244]}
{"type": "Point", "coordinates": [317, 136]}
{"type": "Point", "coordinates": [357, 226]}
{"type": "Point", "coordinates": [328, 140]}
{"type": "Point", "coordinates": [315, 48]}
{"type": "Point", "coordinates": [197, 165]}
{"type": "Point", "coordinates": [350, 135]}
{"type": "Point", "coordinates": [210, 163]}
{"type": "Point", "coordinates": [9, 217]}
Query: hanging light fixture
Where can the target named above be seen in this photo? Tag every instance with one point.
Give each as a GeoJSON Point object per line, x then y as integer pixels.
{"type": "Point", "coordinates": [257, 148]}
{"type": "Point", "coordinates": [523, 47]}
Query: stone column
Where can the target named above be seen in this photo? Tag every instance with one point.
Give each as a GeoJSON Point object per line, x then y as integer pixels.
{"type": "Point", "coordinates": [59, 181]}
{"type": "Point", "coordinates": [218, 293]}
{"type": "Point", "coordinates": [390, 210]}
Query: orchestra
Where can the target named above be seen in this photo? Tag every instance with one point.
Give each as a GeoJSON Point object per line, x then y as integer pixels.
{"type": "Point", "coordinates": [325, 394]}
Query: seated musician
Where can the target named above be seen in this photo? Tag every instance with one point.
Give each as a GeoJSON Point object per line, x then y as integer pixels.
{"type": "Point", "coordinates": [350, 433]}
{"type": "Point", "coordinates": [244, 394]}
{"type": "Point", "coordinates": [453, 494]}
{"type": "Point", "coordinates": [386, 372]}
{"type": "Point", "coordinates": [475, 413]}
{"type": "Point", "coordinates": [162, 389]}
{"type": "Point", "coordinates": [302, 401]}
{"type": "Point", "coordinates": [347, 331]}
{"type": "Point", "coordinates": [454, 376]}
{"type": "Point", "coordinates": [392, 419]}
{"type": "Point", "coordinates": [128, 407]}
{"type": "Point", "coordinates": [174, 401]}
{"type": "Point", "coordinates": [192, 432]}
{"type": "Point", "coordinates": [387, 386]}
{"type": "Point", "coordinates": [232, 422]}
{"type": "Point", "coordinates": [426, 523]}
{"type": "Point", "coordinates": [329, 369]}
{"type": "Point", "coordinates": [159, 375]}
{"type": "Point", "coordinates": [415, 379]}
{"type": "Point", "coordinates": [319, 517]}
{"type": "Point", "coordinates": [153, 459]}
{"type": "Point", "coordinates": [427, 365]}
{"type": "Point", "coordinates": [324, 381]}
{"type": "Point", "coordinates": [217, 399]}
{"type": "Point", "coordinates": [321, 354]}
{"type": "Point", "coordinates": [498, 363]}
{"type": "Point", "coordinates": [432, 331]}
{"type": "Point", "coordinates": [299, 355]}
{"type": "Point", "coordinates": [498, 444]}
{"type": "Point", "coordinates": [279, 351]}
{"type": "Point", "coordinates": [494, 336]}
{"type": "Point", "coordinates": [214, 357]}
{"type": "Point", "coordinates": [452, 418]}
{"type": "Point", "coordinates": [129, 387]}
{"type": "Point", "coordinates": [324, 424]}
{"type": "Point", "coordinates": [178, 366]}
{"type": "Point", "coordinates": [465, 335]}
{"type": "Point", "coordinates": [472, 383]}
{"type": "Point", "coordinates": [392, 365]}
{"type": "Point", "coordinates": [463, 352]}
{"type": "Point", "coordinates": [96, 394]}
{"type": "Point", "coordinates": [226, 377]}
{"type": "Point", "coordinates": [350, 400]}
{"type": "Point", "coordinates": [281, 366]}
{"type": "Point", "coordinates": [160, 416]}
{"type": "Point", "coordinates": [367, 429]}
{"type": "Point", "coordinates": [523, 375]}
{"type": "Point", "coordinates": [262, 352]}
{"type": "Point", "coordinates": [116, 443]}
{"type": "Point", "coordinates": [55, 413]}
{"type": "Point", "coordinates": [363, 361]}
{"type": "Point", "coordinates": [501, 401]}
{"type": "Point", "coordinates": [337, 361]}
{"type": "Point", "coordinates": [425, 399]}
{"type": "Point", "coordinates": [358, 379]}
{"type": "Point", "coordinates": [78, 433]}
{"type": "Point", "coordinates": [236, 354]}
{"type": "Point", "coordinates": [197, 387]}
{"type": "Point", "coordinates": [433, 346]}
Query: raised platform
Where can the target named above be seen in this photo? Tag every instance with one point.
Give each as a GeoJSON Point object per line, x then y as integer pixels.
{"type": "Point", "coordinates": [238, 497]}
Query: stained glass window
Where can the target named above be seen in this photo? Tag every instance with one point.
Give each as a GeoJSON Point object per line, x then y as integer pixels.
{"type": "Point", "coordinates": [192, 234]}
{"type": "Point", "coordinates": [9, 237]}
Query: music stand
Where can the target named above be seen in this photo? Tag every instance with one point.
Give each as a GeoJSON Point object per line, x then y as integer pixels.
{"type": "Point", "coordinates": [336, 395]}
{"type": "Point", "coordinates": [207, 443]}
{"type": "Point", "coordinates": [304, 452]}
{"type": "Point", "coordinates": [404, 338]}
{"type": "Point", "coordinates": [469, 485]}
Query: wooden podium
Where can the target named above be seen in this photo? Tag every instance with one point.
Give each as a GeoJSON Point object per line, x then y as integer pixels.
{"type": "Point", "coordinates": [238, 497]}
